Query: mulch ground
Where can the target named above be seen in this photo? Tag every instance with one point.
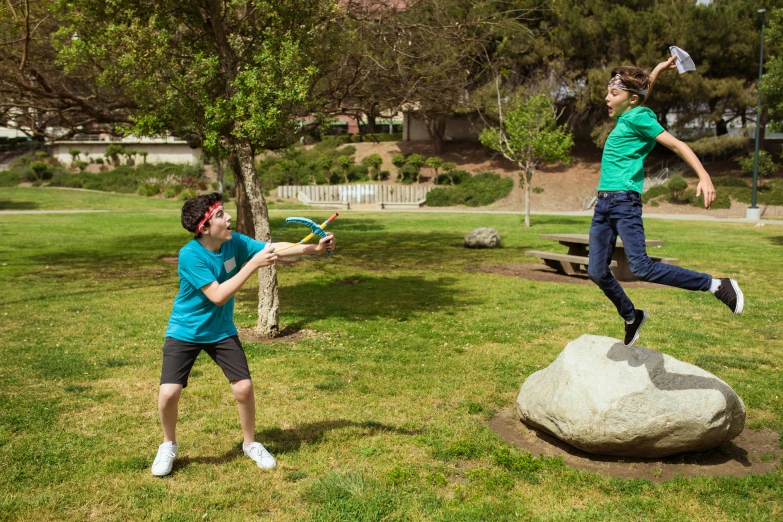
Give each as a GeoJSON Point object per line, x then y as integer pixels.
{"type": "Point", "coordinates": [753, 451]}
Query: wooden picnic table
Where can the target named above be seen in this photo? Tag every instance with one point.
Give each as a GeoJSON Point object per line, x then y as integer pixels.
{"type": "Point", "coordinates": [576, 259]}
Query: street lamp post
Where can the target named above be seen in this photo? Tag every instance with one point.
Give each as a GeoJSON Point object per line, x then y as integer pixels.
{"type": "Point", "coordinates": [753, 211]}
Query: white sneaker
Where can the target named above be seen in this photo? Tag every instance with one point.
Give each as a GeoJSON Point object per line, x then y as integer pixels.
{"type": "Point", "coordinates": [257, 452]}
{"type": "Point", "coordinates": [164, 461]}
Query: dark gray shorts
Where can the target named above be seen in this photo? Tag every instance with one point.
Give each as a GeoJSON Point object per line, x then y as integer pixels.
{"type": "Point", "coordinates": [179, 356]}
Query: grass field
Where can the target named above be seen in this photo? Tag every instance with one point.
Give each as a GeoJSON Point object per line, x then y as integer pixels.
{"type": "Point", "coordinates": [379, 412]}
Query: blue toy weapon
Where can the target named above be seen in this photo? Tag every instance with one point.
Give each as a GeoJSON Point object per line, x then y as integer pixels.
{"type": "Point", "coordinates": [316, 230]}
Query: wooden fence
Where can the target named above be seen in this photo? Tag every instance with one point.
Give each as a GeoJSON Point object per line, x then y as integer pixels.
{"type": "Point", "coordinates": [357, 194]}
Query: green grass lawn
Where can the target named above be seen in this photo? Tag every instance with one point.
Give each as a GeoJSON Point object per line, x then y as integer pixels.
{"type": "Point", "coordinates": [379, 413]}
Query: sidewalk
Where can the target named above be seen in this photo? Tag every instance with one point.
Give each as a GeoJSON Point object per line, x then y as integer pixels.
{"type": "Point", "coordinates": [374, 209]}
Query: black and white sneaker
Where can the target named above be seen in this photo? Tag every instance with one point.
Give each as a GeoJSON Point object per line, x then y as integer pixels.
{"type": "Point", "coordinates": [632, 330]}
{"type": "Point", "coordinates": [729, 293]}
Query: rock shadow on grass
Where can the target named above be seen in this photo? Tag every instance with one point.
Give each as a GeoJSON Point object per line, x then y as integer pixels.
{"type": "Point", "coordinates": [753, 451]}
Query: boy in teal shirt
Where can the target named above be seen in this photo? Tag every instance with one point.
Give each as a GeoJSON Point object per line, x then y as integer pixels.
{"type": "Point", "coordinates": [618, 209]}
{"type": "Point", "coordinates": [212, 267]}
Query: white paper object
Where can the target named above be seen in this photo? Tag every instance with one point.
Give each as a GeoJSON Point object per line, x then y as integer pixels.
{"type": "Point", "coordinates": [684, 60]}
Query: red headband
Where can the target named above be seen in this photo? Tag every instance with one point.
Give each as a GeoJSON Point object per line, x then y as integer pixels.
{"type": "Point", "coordinates": [217, 205]}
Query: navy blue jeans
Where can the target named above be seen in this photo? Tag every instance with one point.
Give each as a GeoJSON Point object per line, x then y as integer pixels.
{"type": "Point", "coordinates": [620, 213]}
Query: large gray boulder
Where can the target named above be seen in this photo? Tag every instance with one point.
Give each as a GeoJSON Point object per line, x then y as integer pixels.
{"type": "Point", "coordinates": [482, 237]}
{"type": "Point", "coordinates": [604, 398]}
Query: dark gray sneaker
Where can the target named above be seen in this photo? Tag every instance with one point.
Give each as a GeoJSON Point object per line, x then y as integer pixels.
{"type": "Point", "coordinates": [632, 330]}
{"type": "Point", "coordinates": [729, 293]}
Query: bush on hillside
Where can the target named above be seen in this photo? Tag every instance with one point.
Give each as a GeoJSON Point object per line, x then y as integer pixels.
{"type": "Point", "coordinates": [767, 167]}
{"type": "Point", "coordinates": [453, 177]}
{"type": "Point", "coordinates": [677, 186]}
{"type": "Point", "coordinates": [480, 190]}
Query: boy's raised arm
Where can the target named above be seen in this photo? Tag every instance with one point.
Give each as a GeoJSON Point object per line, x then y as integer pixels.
{"type": "Point", "coordinates": [668, 65]}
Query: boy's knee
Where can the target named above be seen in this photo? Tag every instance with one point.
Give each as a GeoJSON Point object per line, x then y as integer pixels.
{"type": "Point", "coordinates": [598, 275]}
{"type": "Point", "coordinates": [642, 270]}
{"type": "Point", "coordinates": [243, 390]}
{"type": "Point", "coordinates": [169, 393]}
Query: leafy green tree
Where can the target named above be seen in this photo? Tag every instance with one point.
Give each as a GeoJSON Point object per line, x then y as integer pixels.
{"type": "Point", "coordinates": [222, 73]}
{"type": "Point", "coordinates": [528, 135]}
{"type": "Point", "coordinates": [773, 79]}
{"type": "Point", "coordinates": [37, 94]}
{"type": "Point", "coordinates": [432, 53]}
{"type": "Point", "coordinates": [374, 162]}
{"type": "Point", "coordinates": [144, 155]}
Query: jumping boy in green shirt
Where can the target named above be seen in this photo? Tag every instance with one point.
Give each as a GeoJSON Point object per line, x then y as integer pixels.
{"type": "Point", "coordinates": [618, 210]}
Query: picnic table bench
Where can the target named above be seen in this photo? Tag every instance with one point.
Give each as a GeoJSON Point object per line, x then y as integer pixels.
{"type": "Point", "coordinates": [575, 261]}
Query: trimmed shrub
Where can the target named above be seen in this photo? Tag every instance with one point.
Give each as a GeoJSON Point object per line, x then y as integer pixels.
{"type": "Point", "coordinates": [767, 167]}
{"type": "Point", "coordinates": [654, 192]}
{"type": "Point", "coordinates": [482, 189]}
{"type": "Point", "coordinates": [9, 178]}
{"type": "Point", "coordinates": [677, 186]}
{"type": "Point", "coordinates": [374, 162]}
{"type": "Point", "coordinates": [40, 170]}
{"type": "Point", "coordinates": [81, 165]}
{"type": "Point", "coordinates": [172, 191]}
{"type": "Point", "coordinates": [152, 189]}
{"type": "Point", "coordinates": [408, 174]}
{"type": "Point", "coordinates": [187, 194]}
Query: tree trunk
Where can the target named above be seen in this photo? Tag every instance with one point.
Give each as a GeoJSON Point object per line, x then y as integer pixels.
{"type": "Point", "coordinates": [244, 218]}
{"type": "Point", "coordinates": [437, 130]}
{"type": "Point", "coordinates": [219, 174]}
{"type": "Point", "coordinates": [528, 177]}
{"type": "Point", "coordinates": [268, 302]}
{"type": "Point", "coordinates": [371, 123]}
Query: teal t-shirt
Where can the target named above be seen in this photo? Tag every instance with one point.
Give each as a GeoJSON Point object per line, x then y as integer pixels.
{"type": "Point", "coordinates": [194, 318]}
{"type": "Point", "coordinates": [627, 146]}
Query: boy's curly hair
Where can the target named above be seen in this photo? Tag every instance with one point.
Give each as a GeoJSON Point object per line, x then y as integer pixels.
{"type": "Point", "coordinates": [634, 78]}
{"type": "Point", "coordinates": [194, 209]}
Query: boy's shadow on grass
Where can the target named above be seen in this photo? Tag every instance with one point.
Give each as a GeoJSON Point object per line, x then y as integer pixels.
{"type": "Point", "coordinates": [777, 240]}
{"type": "Point", "coordinates": [664, 380]}
{"type": "Point", "coordinates": [279, 441]}
{"type": "Point", "coordinates": [9, 204]}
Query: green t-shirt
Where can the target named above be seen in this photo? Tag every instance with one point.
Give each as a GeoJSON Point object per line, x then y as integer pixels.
{"type": "Point", "coordinates": [627, 146]}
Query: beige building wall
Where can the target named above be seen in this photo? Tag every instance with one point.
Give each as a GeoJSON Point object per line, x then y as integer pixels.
{"type": "Point", "coordinates": [156, 152]}
{"type": "Point", "coordinates": [459, 128]}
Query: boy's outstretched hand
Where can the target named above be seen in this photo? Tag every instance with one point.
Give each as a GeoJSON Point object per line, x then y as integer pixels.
{"type": "Point", "coordinates": [668, 65]}
{"type": "Point", "coordinates": [326, 244]}
{"type": "Point", "coordinates": [705, 186]}
{"type": "Point", "coordinates": [266, 257]}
